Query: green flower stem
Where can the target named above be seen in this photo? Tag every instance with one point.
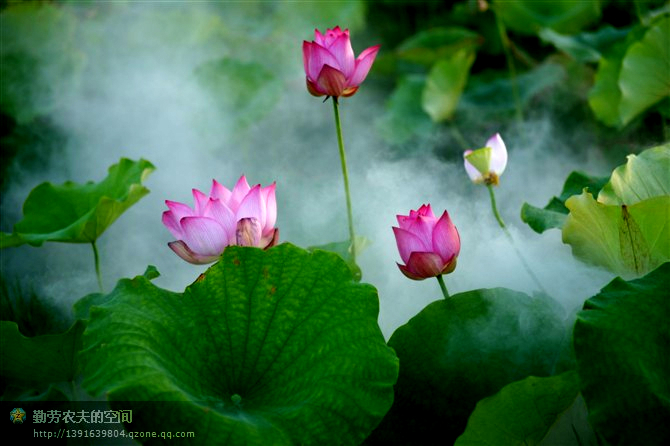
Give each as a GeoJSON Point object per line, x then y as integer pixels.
{"type": "Point", "coordinates": [495, 208]}
{"type": "Point", "coordinates": [511, 240]}
{"type": "Point", "coordinates": [97, 265]}
{"type": "Point", "coordinates": [345, 176]}
{"type": "Point", "coordinates": [440, 279]}
{"type": "Point", "coordinates": [504, 39]}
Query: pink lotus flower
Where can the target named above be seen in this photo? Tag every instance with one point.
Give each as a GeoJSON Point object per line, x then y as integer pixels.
{"type": "Point", "coordinates": [485, 165]}
{"type": "Point", "coordinates": [246, 217]}
{"type": "Point", "coordinates": [428, 246]}
{"type": "Point", "coordinates": [330, 65]}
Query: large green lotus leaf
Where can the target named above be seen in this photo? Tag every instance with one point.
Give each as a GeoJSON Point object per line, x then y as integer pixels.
{"type": "Point", "coordinates": [445, 84]}
{"type": "Point", "coordinates": [267, 347]}
{"type": "Point", "coordinates": [646, 175]}
{"type": "Point", "coordinates": [79, 213]}
{"type": "Point", "coordinates": [586, 46]}
{"type": "Point", "coordinates": [246, 90]}
{"type": "Point", "coordinates": [553, 215]}
{"type": "Point", "coordinates": [82, 306]}
{"type": "Point", "coordinates": [457, 351]}
{"type": "Point", "coordinates": [565, 17]}
{"type": "Point", "coordinates": [630, 241]}
{"type": "Point", "coordinates": [645, 72]}
{"type": "Point", "coordinates": [621, 342]}
{"type": "Point", "coordinates": [404, 118]}
{"type": "Point", "coordinates": [40, 359]}
{"type": "Point", "coordinates": [606, 96]}
{"type": "Point", "coordinates": [522, 413]}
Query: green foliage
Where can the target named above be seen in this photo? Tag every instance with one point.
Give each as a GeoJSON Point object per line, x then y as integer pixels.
{"type": "Point", "coordinates": [444, 85]}
{"type": "Point", "coordinates": [79, 213]}
{"type": "Point", "coordinates": [343, 249]}
{"type": "Point", "coordinates": [432, 68]}
{"type": "Point", "coordinates": [33, 314]}
{"type": "Point", "coordinates": [644, 79]}
{"type": "Point", "coordinates": [404, 117]}
{"type": "Point", "coordinates": [621, 342]}
{"type": "Point", "coordinates": [428, 47]}
{"type": "Point", "coordinates": [267, 347]}
{"type": "Point", "coordinates": [553, 215]}
{"type": "Point", "coordinates": [82, 306]}
{"type": "Point", "coordinates": [627, 229]}
{"type": "Point", "coordinates": [490, 94]}
{"type": "Point", "coordinates": [247, 91]}
{"type": "Point", "coordinates": [31, 33]}
{"type": "Point", "coordinates": [291, 16]}
{"type": "Point", "coordinates": [457, 351]}
{"type": "Point", "coordinates": [541, 219]}
{"type": "Point", "coordinates": [48, 393]}
{"type": "Point", "coordinates": [28, 145]}
{"type": "Point", "coordinates": [565, 17]}
{"type": "Point", "coordinates": [632, 76]}
{"type": "Point", "coordinates": [605, 96]}
{"type": "Point", "coordinates": [40, 359]}
{"type": "Point", "coordinates": [522, 412]}
{"type": "Point", "coordinates": [643, 176]}
{"type": "Point", "coordinates": [627, 240]}
{"type": "Point", "coordinates": [586, 46]}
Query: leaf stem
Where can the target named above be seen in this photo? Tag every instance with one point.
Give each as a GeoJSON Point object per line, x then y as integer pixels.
{"type": "Point", "coordinates": [73, 389]}
{"type": "Point", "coordinates": [458, 136]}
{"type": "Point", "coordinates": [638, 12]}
{"type": "Point", "coordinates": [504, 39]}
{"type": "Point", "coordinates": [97, 265]}
{"type": "Point", "coordinates": [511, 240]}
{"type": "Point", "coordinates": [440, 280]}
{"type": "Point", "coordinates": [345, 176]}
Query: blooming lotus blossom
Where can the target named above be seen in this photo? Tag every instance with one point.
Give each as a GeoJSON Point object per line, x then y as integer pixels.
{"type": "Point", "coordinates": [330, 64]}
{"type": "Point", "coordinates": [485, 165]}
{"type": "Point", "coordinates": [244, 216]}
{"type": "Point", "coordinates": [428, 246]}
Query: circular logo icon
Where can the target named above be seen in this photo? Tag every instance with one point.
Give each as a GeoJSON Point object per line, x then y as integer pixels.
{"type": "Point", "coordinates": [17, 415]}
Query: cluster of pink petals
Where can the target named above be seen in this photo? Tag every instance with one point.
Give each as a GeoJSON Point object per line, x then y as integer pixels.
{"type": "Point", "coordinates": [330, 65]}
{"type": "Point", "coordinates": [496, 163]}
{"type": "Point", "coordinates": [428, 246]}
{"type": "Point", "coordinates": [244, 216]}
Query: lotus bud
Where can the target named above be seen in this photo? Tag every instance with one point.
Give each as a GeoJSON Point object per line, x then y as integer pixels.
{"type": "Point", "coordinates": [330, 65]}
{"type": "Point", "coordinates": [485, 165]}
{"type": "Point", "coordinates": [428, 246]}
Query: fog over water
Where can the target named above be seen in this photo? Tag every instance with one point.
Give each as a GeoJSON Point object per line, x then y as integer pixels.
{"type": "Point", "coordinates": [138, 98]}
